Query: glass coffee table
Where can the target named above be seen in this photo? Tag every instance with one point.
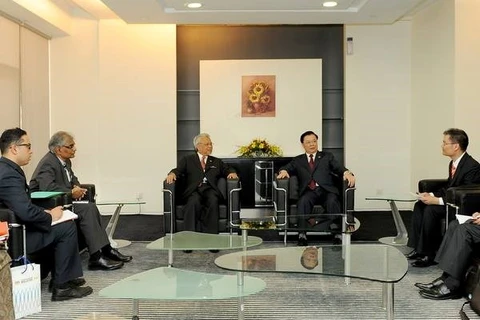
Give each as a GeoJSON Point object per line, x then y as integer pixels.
{"type": "Point", "coordinates": [175, 284]}
{"type": "Point", "coordinates": [401, 239]}
{"type": "Point", "coordinates": [372, 262]}
{"type": "Point", "coordinates": [189, 240]}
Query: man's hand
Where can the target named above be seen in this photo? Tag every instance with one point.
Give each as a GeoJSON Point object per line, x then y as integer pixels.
{"type": "Point", "coordinates": [78, 193]}
{"type": "Point", "coordinates": [347, 175]}
{"type": "Point", "coordinates": [56, 213]}
{"type": "Point", "coordinates": [283, 174]}
{"type": "Point", "coordinates": [427, 198]}
{"type": "Point", "coordinates": [171, 177]}
{"type": "Point", "coordinates": [232, 175]}
{"type": "Point", "coordinates": [476, 218]}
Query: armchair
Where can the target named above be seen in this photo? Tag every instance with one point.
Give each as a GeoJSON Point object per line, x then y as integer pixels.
{"type": "Point", "coordinates": [286, 194]}
{"type": "Point", "coordinates": [173, 206]}
{"type": "Point", "coordinates": [16, 240]}
{"type": "Point", "coordinates": [459, 200]}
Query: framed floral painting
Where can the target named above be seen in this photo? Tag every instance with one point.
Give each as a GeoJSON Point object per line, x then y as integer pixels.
{"type": "Point", "coordinates": [258, 96]}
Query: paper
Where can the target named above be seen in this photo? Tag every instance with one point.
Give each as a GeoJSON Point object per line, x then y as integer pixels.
{"type": "Point", "coordinates": [462, 218]}
{"type": "Point", "coordinates": [67, 216]}
{"type": "Point", "coordinates": [45, 194]}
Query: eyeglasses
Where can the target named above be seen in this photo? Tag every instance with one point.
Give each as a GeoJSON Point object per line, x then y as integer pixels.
{"type": "Point", "coordinates": [447, 143]}
{"type": "Point", "coordinates": [28, 145]}
{"type": "Point", "coordinates": [70, 146]}
{"type": "Point", "coordinates": [207, 144]}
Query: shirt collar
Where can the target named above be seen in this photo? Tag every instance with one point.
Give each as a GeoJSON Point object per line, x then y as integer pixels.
{"type": "Point", "coordinates": [456, 162]}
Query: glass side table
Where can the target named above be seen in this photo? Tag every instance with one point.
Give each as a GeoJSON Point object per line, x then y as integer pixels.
{"type": "Point", "coordinates": [112, 223]}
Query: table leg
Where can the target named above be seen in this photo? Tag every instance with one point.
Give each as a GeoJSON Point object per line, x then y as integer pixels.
{"type": "Point", "coordinates": [388, 300]}
{"type": "Point", "coordinates": [244, 236]}
{"type": "Point", "coordinates": [135, 310]}
{"type": "Point", "coordinates": [240, 289]}
{"type": "Point", "coordinates": [112, 226]}
{"type": "Point", "coordinates": [401, 238]}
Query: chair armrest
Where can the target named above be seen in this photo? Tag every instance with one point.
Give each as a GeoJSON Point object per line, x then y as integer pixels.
{"type": "Point", "coordinates": [91, 195]}
{"type": "Point", "coordinates": [349, 203]}
{"type": "Point", "coordinates": [431, 185]}
{"type": "Point", "coordinates": [465, 198]}
{"type": "Point", "coordinates": [233, 189]}
{"type": "Point", "coordinates": [55, 201]}
{"type": "Point", "coordinates": [169, 196]}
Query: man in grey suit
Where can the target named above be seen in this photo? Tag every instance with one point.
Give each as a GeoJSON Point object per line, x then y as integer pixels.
{"type": "Point", "coordinates": [54, 173]}
{"type": "Point", "coordinates": [42, 239]}
{"type": "Point", "coordinates": [314, 170]}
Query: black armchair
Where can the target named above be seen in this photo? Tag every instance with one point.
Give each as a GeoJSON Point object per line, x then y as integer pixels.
{"type": "Point", "coordinates": [173, 206]}
{"type": "Point", "coordinates": [16, 240]}
{"type": "Point", "coordinates": [285, 199]}
{"type": "Point", "coordinates": [463, 200]}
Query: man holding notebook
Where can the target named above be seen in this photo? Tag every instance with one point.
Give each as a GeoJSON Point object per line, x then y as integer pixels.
{"type": "Point", "coordinates": [43, 239]}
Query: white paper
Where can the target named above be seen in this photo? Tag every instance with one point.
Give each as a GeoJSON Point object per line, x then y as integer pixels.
{"type": "Point", "coordinates": [462, 218]}
{"type": "Point", "coordinates": [67, 216]}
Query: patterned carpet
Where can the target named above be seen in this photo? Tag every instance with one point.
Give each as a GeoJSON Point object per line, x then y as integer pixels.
{"type": "Point", "coordinates": [287, 296]}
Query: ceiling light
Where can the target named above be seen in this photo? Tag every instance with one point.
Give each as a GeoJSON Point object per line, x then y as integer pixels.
{"type": "Point", "coordinates": [330, 4]}
{"type": "Point", "coordinates": [194, 5]}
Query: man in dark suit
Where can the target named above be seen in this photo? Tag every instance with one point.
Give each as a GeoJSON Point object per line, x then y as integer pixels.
{"type": "Point", "coordinates": [453, 257]}
{"type": "Point", "coordinates": [200, 172]}
{"type": "Point", "coordinates": [314, 170]}
{"type": "Point", "coordinates": [44, 239]}
{"type": "Point", "coordinates": [425, 234]}
{"type": "Point", "coordinates": [54, 173]}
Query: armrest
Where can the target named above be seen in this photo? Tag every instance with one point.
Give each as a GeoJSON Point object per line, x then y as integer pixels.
{"type": "Point", "coordinates": [16, 239]}
{"type": "Point", "coordinates": [91, 193]}
{"type": "Point", "coordinates": [168, 196]}
{"type": "Point", "coordinates": [431, 185]}
{"type": "Point", "coordinates": [55, 201]}
{"type": "Point", "coordinates": [280, 196]}
{"type": "Point", "coordinates": [465, 198]}
{"type": "Point", "coordinates": [233, 199]}
{"type": "Point", "coordinates": [349, 202]}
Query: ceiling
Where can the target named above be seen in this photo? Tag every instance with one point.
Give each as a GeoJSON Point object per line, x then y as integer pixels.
{"type": "Point", "coordinates": [252, 11]}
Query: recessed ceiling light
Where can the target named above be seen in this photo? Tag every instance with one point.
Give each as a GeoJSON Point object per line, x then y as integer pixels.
{"type": "Point", "coordinates": [194, 5]}
{"type": "Point", "coordinates": [330, 4]}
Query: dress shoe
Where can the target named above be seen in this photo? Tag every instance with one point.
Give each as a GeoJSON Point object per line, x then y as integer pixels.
{"type": "Point", "coordinates": [187, 251]}
{"type": "Point", "coordinates": [68, 293]}
{"type": "Point", "coordinates": [430, 285]}
{"type": "Point", "coordinates": [104, 263]}
{"type": "Point", "coordinates": [423, 262]}
{"type": "Point", "coordinates": [312, 222]}
{"type": "Point", "coordinates": [440, 292]}
{"type": "Point", "coordinates": [115, 255]}
{"type": "Point", "coordinates": [72, 283]}
{"type": "Point", "coordinates": [302, 242]}
{"type": "Point", "coordinates": [214, 251]}
{"type": "Point", "coordinates": [413, 255]}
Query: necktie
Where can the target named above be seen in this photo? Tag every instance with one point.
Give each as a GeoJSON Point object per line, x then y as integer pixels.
{"type": "Point", "coordinates": [68, 173]}
{"type": "Point", "coordinates": [312, 185]}
{"type": "Point", "coordinates": [452, 171]}
{"type": "Point", "coordinates": [203, 162]}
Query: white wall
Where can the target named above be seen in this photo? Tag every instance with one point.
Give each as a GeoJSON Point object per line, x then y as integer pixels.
{"type": "Point", "coordinates": [298, 96]}
{"type": "Point", "coordinates": [114, 87]}
{"type": "Point", "coordinates": [377, 111]}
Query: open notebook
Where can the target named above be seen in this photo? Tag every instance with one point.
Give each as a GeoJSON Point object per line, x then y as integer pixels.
{"type": "Point", "coordinates": [67, 216]}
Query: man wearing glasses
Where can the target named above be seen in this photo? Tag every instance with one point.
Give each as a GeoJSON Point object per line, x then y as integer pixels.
{"type": "Point", "coordinates": [425, 234]}
{"type": "Point", "coordinates": [201, 172]}
{"type": "Point", "coordinates": [43, 239]}
{"type": "Point", "coordinates": [54, 173]}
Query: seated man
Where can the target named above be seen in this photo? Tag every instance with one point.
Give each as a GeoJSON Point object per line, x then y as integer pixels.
{"type": "Point", "coordinates": [453, 257]}
{"type": "Point", "coordinates": [59, 240]}
{"type": "Point", "coordinates": [425, 234]}
{"type": "Point", "coordinates": [314, 170]}
{"type": "Point", "coordinates": [201, 172]}
{"type": "Point", "coordinates": [54, 173]}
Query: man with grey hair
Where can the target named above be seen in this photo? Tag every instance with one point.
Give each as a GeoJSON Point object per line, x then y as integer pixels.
{"type": "Point", "coordinates": [200, 172]}
{"type": "Point", "coordinates": [54, 173]}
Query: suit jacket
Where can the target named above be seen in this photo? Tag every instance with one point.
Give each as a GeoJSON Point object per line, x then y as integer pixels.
{"type": "Point", "coordinates": [15, 195]}
{"type": "Point", "coordinates": [50, 175]}
{"type": "Point", "coordinates": [190, 170]}
{"type": "Point", "coordinates": [467, 172]}
{"type": "Point", "coordinates": [325, 165]}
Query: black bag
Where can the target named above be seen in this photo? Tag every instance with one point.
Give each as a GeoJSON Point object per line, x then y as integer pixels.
{"type": "Point", "coordinates": [472, 288]}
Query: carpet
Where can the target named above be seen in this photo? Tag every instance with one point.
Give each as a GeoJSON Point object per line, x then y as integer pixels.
{"type": "Point", "coordinates": [287, 296]}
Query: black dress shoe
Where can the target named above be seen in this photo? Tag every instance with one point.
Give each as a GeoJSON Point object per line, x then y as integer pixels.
{"type": "Point", "coordinates": [440, 292]}
{"type": "Point", "coordinates": [413, 255]}
{"type": "Point", "coordinates": [115, 255]}
{"type": "Point", "coordinates": [104, 263]}
{"type": "Point", "coordinates": [187, 251]}
{"type": "Point", "coordinates": [68, 293]}
{"type": "Point", "coordinates": [302, 242]}
{"type": "Point", "coordinates": [423, 262]}
{"type": "Point", "coordinates": [430, 285]}
{"type": "Point", "coordinates": [72, 283]}
{"type": "Point", "coordinates": [214, 251]}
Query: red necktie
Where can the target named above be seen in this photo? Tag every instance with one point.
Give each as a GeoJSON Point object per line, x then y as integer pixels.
{"type": "Point", "coordinates": [203, 162]}
{"type": "Point", "coordinates": [452, 171]}
{"type": "Point", "coordinates": [312, 185]}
